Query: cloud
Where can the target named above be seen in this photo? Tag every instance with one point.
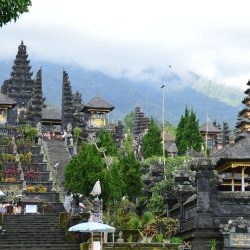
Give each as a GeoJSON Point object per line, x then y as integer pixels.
{"type": "Point", "coordinates": [129, 37]}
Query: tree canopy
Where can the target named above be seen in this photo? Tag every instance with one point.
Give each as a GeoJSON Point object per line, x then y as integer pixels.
{"type": "Point", "coordinates": [152, 141]}
{"type": "Point", "coordinates": [84, 170]}
{"type": "Point", "coordinates": [106, 141]}
{"type": "Point", "coordinates": [129, 120]}
{"type": "Point", "coordinates": [12, 9]}
{"type": "Point", "coordinates": [188, 134]}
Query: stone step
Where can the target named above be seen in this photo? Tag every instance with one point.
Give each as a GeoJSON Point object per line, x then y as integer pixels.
{"type": "Point", "coordinates": [34, 232]}
{"type": "Point", "coordinates": [43, 247]}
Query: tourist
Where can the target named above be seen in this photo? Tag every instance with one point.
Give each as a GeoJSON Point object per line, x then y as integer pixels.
{"type": "Point", "coordinates": [19, 206]}
{"type": "Point", "coordinates": [2, 230]}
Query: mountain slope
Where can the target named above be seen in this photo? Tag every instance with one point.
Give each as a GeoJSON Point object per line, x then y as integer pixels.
{"type": "Point", "coordinates": [125, 94]}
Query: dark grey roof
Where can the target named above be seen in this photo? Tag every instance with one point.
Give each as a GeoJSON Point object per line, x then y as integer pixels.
{"type": "Point", "coordinates": [209, 127]}
{"type": "Point", "coordinates": [168, 137]}
{"type": "Point", "coordinates": [171, 147]}
{"type": "Point", "coordinates": [4, 99]}
{"type": "Point", "coordinates": [236, 151]}
{"type": "Point", "coordinates": [51, 114]}
{"type": "Point", "coordinates": [98, 103]}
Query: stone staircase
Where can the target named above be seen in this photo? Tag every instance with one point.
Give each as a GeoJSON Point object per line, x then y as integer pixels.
{"type": "Point", "coordinates": [34, 232]}
{"type": "Point", "coordinates": [57, 152]}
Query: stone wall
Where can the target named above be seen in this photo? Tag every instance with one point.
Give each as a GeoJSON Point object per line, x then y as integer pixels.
{"type": "Point", "coordinates": [134, 245]}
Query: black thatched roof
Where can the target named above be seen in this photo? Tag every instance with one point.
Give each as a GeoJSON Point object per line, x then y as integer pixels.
{"type": "Point", "coordinates": [209, 127]}
{"type": "Point", "coordinates": [51, 114]}
{"type": "Point", "coordinates": [239, 151]}
{"type": "Point", "coordinates": [98, 103]}
{"type": "Point", "coordinates": [5, 100]}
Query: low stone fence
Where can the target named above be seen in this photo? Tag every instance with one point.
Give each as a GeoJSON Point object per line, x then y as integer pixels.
{"type": "Point", "coordinates": [134, 245]}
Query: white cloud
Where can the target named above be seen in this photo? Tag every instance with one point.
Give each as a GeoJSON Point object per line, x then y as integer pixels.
{"type": "Point", "coordinates": [128, 37]}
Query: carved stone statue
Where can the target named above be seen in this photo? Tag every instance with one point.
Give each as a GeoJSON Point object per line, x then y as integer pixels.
{"type": "Point", "coordinates": [69, 128]}
{"type": "Point", "coordinates": [24, 186]}
{"type": "Point", "coordinates": [17, 157]}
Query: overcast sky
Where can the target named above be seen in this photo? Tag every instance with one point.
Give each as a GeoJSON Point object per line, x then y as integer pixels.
{"type": "Point", "coordinates": [131, 37]}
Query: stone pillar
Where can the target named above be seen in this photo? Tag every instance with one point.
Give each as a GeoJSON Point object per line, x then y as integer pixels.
{"type": "Point", "coordinates": [204, 222]}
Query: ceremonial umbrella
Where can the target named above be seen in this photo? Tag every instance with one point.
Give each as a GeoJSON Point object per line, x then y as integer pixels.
{"type": "Point", "coordinates": [92, 227]}
{"type": "Point", "coordinates": [2, 193]}
{"type": "Point", "coordinates": [96, 189]}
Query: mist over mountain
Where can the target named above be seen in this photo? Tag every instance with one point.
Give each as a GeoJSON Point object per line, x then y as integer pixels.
{"type": "Point", "coordinates": [222, 103]}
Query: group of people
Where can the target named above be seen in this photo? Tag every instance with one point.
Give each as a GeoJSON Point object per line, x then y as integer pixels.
{"type": "Point", "coordinates": [12, 207]}
{"type": "Point", "coordinates": [52, 135]}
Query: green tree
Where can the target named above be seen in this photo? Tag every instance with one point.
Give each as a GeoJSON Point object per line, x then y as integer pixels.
{"type": "Point", "coordinates": [131, 172]}
{"type": "Point", "coordinates": [84, 170]}
{"type": "Point", "coordinates": [157, 203]}
{"type": "Point", "coordinates": [106, 141]}
{"type": "Point", "coordinates": [128, 121]}
{"type": "Point", "coordinates": [12, 9]}
{"type": "Point", "coordinates": [113, 183]}
{"type": "Point", "coordinates": [1, 171]}
{"type": "Point", "coordinates": [152, 141]}
{"type": "Point", "coordinates": [27, 131]}
{"type": "Point", "coordinates": [168, 127]}
{"type": "Point", "coordinates": [188, 134]}
{"type": "Point", "coordinates": [128, 143]}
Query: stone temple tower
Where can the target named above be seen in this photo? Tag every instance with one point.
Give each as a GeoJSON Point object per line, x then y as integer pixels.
{"type": "Point", "coordinates": [20, 85]}
{"type": "Point", "coordinates": [67, 102]}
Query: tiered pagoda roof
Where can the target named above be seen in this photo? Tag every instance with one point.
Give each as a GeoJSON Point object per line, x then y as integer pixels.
{"type": "Point", "coordinates": [141, 122]}
{"type": "Point", "coordinates": [243, 123]}
{"type": "Point", "coordinates": [19, 86]}
{"type": "Point", "coordinates": [67, 101]}
{"type": "Point", "coordinates": [37, 100]}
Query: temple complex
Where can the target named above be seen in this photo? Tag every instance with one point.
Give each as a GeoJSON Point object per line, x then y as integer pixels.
{"type": "Point", "coordinates": [36, 104]}
{"type": "Point", "coordinates": [141, 123]}
{"type": "Point", "coordinates": [6, 106]}
{"type": "Point", "coordinates": [243, 124]}
{"type": "Point", "coordinates": [23, 102]}
{"type": "Point", "coordinates": [212, 193]}
{"type": "Point", "coordinates": [215, 136]}
{"type": "Point", "coordinates": [97, 112]}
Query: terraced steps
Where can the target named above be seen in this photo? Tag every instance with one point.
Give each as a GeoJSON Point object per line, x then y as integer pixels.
{"type": "Point", "coordinates": [34, 232]}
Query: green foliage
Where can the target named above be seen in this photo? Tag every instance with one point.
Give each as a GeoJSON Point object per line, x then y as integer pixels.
{"type": "Point", "coordinates": [106, 141]}
{"type": "Point", "coordinates": [213, 244]}
{"type": "Point", "coordinates": [1, 171]}
{"type": "Point", "coordinates": [134, 222]}
{"type": "Point", "coordinates": [123, 211]}
{"type": "Point", "coordinates": [168, 127]}
{"type": "Point", "coordinates": [188, 134]}
{"type": "Point", "coordinates": [77, 132]}
{"type": "Point", "coordinates": [147, 218]}
{"type": "Point", "coordinates": [129, 122]}
{"type": "Point", "coordinates": [159, 238]}
{"type": "Point", "coordinates": [176, 240]}
{"type": "Point", "coordinates": [113, 182]}
{"type": "Point", "coordinates": [131, 172]}
{"type": "Point", "coordinates": [27, 132]}
{"type": "Point", "coordinates": [130, 238]}
{"type": "Point", "coordinates": [157, 204]}
{"type": "Point", "coordinates": [11, 10]}
{"type": "Point", "coordinates": [151, 142]}
{"type": "Point", "coordinates": [128, 143]}
{"type": "Point", "coordinates": [84, 170]}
